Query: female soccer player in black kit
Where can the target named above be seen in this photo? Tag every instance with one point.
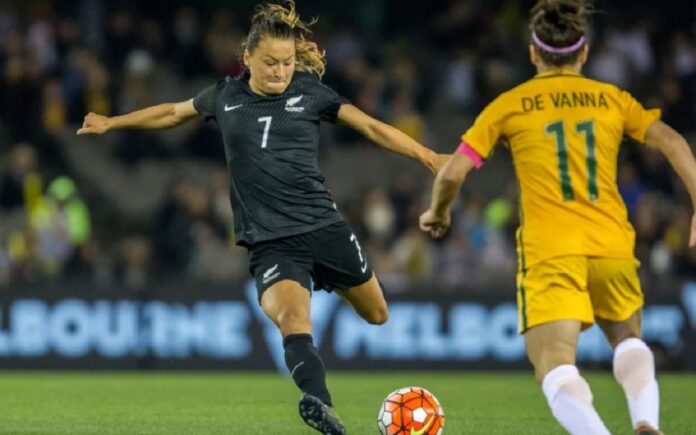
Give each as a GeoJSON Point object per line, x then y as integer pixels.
{"type": "Point", "coordinates": [284, 215]}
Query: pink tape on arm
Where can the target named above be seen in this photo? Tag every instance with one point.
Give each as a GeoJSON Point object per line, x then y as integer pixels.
{"type": "Point", "coordinates": [466, 149]}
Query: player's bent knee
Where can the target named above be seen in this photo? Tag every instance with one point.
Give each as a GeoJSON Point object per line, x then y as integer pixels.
{"type": "Point", "coordinates": [293, 322]}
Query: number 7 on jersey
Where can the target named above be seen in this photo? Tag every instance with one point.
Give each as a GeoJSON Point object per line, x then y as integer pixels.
{"type": "Point", "coordinates": [266, 129]}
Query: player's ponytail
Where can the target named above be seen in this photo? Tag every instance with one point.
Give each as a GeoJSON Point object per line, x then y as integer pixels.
{"type": "Point", "coordinates": [278, 21]}
{"type": "Point", "coordinates": [559, 29]}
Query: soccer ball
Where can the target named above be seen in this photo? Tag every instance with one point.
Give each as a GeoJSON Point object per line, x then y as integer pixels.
{"type": "Point", "coordinates": [411, 411]}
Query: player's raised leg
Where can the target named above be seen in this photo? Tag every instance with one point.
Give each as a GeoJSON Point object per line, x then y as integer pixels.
{"type": "Point", "coordinates": [551, 349]}
{"type": "Point", "coordinates": [368, 301]}
{"type": "Point", "coordinates": [343, 266]}
{"type": "Point", "coordinates": [634, 369]}
{"type": "Point", "coordinates": [287, 304]}
{"type": "Point", "coordinates": [617, 299]}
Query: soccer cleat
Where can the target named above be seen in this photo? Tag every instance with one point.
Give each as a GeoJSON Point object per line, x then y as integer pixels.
{"type": "Point", "coordinates": [645, 429]}
{"type": "Point", "coordinates": [320, 416]}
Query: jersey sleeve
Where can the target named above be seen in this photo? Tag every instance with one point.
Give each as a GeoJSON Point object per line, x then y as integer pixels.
{"type": "Point", "coordinates": [487, 129]}
{"type": "Point", "coordinates": [328, 101]}
{"type": "Point", "coordinates": [637, 119]}
{"type": "Point", "coordinates": [206, 100]}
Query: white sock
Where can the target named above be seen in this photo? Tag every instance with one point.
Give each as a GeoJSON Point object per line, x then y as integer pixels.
{"type": "Point", "coordinates": [570, 399]}
{"type": "Point", "coordinates": [634, 368]}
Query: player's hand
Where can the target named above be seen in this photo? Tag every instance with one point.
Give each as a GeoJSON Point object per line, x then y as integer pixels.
{"type": "Point", "coordinates": [692, 239]}
{"type": "Point", "coordinates": [94, 124]}
{"type": "Point", "coordinates": [435, 225]}
{"type": "Point", "coordinates": [438, 162]}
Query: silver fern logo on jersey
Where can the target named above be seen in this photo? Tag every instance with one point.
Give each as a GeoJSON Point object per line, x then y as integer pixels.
{"type": "Point", "coordinates": [270, 274]}
{"type": "Point", "coordinates": [291, 104]}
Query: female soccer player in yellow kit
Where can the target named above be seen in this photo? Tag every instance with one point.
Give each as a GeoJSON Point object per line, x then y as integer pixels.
{"type": "Point", "coordinates": [575, 243]}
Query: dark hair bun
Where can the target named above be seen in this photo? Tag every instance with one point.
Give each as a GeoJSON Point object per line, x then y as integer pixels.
{"type": "Point", "coordinates": [560, 23]}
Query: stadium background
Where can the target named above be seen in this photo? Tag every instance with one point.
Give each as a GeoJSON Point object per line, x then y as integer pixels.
{"type": "Point", "coordinates": [116, 251]}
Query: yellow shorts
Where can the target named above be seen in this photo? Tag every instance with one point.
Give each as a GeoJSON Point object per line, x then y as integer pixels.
{"type": "Point", "coordinates": [578, 288]}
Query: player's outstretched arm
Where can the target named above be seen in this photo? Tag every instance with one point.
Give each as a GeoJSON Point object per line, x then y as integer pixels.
{"type": "Point", "coordinates": [155, 117]}
{"type": "Point", "coordinates": [436, 220]}
{"type": "Point", "coordinates": [676, 149]}
{"type": "Point", "coordinates": [389, 137]}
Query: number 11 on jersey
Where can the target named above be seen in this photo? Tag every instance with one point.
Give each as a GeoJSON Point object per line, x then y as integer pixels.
{"type": "Point", "coordinates": [266, 128]}
{"type": "Point", "coordinates": [586, 129]}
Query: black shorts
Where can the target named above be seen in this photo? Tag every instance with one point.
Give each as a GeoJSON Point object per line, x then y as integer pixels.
{"type": "Point", "coordinates": [331, 257]}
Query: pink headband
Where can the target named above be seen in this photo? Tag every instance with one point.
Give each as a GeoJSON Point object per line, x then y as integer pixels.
{"type": "Point", "coordinates": [557, 50]}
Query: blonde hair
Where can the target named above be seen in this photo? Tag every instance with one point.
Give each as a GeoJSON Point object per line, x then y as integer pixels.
{"type": "Point", "coordinates": [278, 21]}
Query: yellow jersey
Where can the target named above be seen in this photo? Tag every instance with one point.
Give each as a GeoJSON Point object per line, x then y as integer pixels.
{"type": "Point", "coordinates": [564, 131]}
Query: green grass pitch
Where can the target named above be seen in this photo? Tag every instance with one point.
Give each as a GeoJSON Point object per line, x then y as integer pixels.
{"type": "Point", "coordinates": [91, 403]}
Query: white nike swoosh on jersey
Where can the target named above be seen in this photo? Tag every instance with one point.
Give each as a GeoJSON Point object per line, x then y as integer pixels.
{"type": "Point", "coordinates": [228, 108]}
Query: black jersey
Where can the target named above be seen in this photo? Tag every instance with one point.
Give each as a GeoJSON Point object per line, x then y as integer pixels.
{"type": "Point", "coordinates": [271, 144]}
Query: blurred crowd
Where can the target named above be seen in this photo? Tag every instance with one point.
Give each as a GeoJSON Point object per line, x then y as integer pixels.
{"type": "Point", "coordinates": [136, 209]}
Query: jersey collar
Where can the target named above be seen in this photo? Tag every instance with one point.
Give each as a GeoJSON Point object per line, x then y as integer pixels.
{"type": "Point", "coordinates": [558, 72]}
{"type": "Point", "coordinates": [244, 79]}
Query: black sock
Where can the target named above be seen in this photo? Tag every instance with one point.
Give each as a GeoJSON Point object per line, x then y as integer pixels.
{"type": "Point", "coordinates": [306, 367]}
